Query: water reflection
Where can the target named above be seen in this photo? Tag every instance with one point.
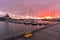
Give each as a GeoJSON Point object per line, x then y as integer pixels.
{"type": "Point", "coordinates": [4, 29]}
{"type": "Point", "coordinates": [8, 29]}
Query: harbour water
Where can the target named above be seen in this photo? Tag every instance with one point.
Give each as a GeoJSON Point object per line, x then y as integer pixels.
{"type": "Point", "coordinates": [8, 28]}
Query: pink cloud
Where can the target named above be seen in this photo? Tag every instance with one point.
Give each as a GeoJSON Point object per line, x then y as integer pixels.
{"type": "Point", "coordinates": [38, 6]}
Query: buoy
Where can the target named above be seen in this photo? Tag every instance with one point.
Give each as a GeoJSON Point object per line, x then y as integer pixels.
{"type": "Point", "coordinates": [28, 35]}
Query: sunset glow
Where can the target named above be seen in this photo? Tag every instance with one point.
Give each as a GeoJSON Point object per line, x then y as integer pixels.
{"type": "Point", "coordinates": [2, 13]}
{"type": "Point", "coordinates": [43, 8]}
{"type": "Point", "coordinates": [48, 17]}
{"type": "Point", "coordinates": [24, 17]}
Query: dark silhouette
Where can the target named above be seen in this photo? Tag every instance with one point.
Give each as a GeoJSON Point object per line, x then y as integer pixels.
{"type": "Point", "coordinates": [6, 17]}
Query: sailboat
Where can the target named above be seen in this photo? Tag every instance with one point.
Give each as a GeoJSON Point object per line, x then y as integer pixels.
{"type": "Point", "coordinates": [28, 21]}
{"type": "Point", "coordinates": [34, 22]}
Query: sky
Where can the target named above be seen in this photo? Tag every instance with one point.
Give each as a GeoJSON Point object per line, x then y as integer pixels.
{"type": "Point", "coordinates": [33, 8]}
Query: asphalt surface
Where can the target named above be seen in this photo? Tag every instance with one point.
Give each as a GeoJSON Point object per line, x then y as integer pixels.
{"type": "Point", "coordinates": [50, 33]}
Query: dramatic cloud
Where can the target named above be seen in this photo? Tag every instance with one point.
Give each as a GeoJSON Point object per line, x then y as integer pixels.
{"type": "Point", "coordinates": [23, 7]}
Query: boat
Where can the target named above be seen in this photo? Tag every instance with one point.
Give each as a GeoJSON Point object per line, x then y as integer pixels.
{"type": "Point", "coordinates": [27, 23]}
{"type": "Point", "coordinates": [34, 23]}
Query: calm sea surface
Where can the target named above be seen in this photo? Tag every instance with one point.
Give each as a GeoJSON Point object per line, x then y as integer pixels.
{"type": "Point", "coordinates": [8, 29]}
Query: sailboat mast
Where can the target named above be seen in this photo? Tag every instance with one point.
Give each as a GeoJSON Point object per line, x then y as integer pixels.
{"type": "Point", "coordinates": [29, 14]}
{"type": "Point", "coordinates": [54, 13]}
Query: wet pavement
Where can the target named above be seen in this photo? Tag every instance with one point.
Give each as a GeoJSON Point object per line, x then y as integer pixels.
{"type": "Point", "coordinates": [51, 33]}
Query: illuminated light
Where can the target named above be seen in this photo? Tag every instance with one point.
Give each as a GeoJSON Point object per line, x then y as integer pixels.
{"type": "Point", "coordinates": [28, 34]}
